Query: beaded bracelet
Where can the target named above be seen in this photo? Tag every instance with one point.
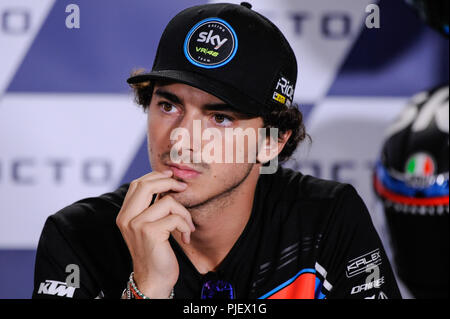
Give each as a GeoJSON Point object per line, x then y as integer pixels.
{"type": "Point", "coordinates": [133, 292]}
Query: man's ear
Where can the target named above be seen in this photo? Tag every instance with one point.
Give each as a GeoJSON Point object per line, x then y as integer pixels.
{"type": "Point", "coordinates": [272, 146]}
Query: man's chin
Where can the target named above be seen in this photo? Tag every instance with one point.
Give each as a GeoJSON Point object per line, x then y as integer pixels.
{"type": "Point", "coordinates": [183, 198]}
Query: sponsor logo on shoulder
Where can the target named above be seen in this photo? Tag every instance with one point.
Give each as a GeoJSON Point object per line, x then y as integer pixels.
{"type": "Point", "coordinates": [359, 265]}
{"type": "Point", "coordinates": [56, 288]}
{"type": "Point", "coordinates": [284, 92]}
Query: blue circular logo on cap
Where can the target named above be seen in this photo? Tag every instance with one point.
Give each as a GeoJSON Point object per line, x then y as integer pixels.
{"type": "Point", "coordinates": [211, 43]}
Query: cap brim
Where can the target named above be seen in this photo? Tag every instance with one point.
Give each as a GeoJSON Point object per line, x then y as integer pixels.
{"type": "Point", "coordinates": [230, 96]}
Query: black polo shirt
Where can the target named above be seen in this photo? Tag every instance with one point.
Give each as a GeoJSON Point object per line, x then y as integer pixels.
{"type": "Point", "coordinates": [306, 238]}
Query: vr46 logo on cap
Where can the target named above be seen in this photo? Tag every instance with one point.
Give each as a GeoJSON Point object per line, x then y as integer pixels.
{"type": "Point", "coordinates": [211, 43]}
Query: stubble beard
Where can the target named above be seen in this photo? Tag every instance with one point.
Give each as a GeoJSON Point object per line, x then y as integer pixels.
{"type": "Point", "coordinates": [213, 203]}
{"type": "Point", "coordinates": [225, 197]}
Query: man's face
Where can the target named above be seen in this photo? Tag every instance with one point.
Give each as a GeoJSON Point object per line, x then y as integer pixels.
{"type": "Point", "coordinates": [196, 112]}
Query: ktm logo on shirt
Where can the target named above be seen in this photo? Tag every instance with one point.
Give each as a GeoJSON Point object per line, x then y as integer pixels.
{"type": "Point", "coordinates": [56, 288]}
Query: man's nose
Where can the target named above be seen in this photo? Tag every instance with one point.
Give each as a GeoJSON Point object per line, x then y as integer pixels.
{"type": "Point", "coordinates": [189, 135]}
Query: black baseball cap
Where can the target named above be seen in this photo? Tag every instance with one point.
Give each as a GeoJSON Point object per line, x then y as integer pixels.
{"type": "Point", "coordinates": [229, 51]}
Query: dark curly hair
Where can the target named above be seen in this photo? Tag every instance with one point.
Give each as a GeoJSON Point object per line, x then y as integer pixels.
{"type": "Point", "coordinates": [285, 119]}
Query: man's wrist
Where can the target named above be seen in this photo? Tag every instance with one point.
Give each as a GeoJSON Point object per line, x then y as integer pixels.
{"type": "Point", "coordinates": [134, 292]}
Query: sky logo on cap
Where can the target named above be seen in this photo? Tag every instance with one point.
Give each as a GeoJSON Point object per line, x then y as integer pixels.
{"type": "Point", "coordinates": [211, 43]}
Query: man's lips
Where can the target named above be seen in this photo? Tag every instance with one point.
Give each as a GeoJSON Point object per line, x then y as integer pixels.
{"type": "Point", "coordinates": [183, 171]}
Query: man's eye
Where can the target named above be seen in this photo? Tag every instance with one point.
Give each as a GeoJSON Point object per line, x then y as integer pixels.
{"type": "Point", "coordinates": [167, 107]}
{"type": "Point", "coordinates": [223, 120]}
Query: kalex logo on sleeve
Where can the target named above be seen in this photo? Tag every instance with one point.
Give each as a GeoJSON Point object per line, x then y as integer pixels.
{"type": "Point", "coordinates": [359, 265]}
{"type": "Point", "coordinates": [211, 43]}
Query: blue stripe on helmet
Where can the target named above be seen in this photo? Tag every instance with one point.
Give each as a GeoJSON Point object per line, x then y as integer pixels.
{"type": "Point", "coordinates": [400, 187]}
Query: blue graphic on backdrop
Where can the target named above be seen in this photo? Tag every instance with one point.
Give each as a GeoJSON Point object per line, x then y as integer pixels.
{"type": "Point", "coordinates": [114, 37]}
{"type": "Point", "coordinates": [377, 64]}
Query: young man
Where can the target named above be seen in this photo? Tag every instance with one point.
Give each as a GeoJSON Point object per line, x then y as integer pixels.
{"type": "Point", "coordinates": [200, 228]}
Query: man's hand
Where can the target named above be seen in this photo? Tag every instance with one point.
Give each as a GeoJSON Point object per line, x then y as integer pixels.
{"type": "Point", "coordinates": [146, 231]}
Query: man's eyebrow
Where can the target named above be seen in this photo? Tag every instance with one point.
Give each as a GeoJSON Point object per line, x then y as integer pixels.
{"type": "Point", "coordinates": [169, 96]}
{"type": "Point", "coordinates": [220, 106]}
